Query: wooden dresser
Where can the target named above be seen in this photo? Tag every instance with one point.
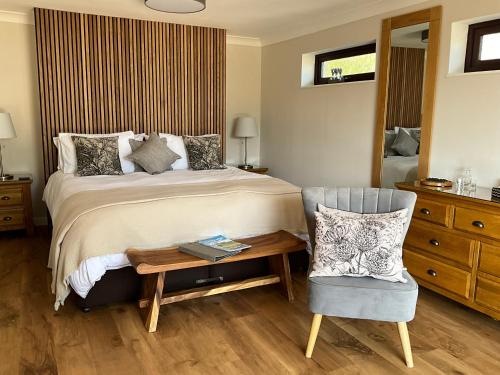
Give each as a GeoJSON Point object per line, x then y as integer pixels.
{"type": "Point", "coordinates": [15, 204]}
{"type": "Point", "coordinates": [453, 246]}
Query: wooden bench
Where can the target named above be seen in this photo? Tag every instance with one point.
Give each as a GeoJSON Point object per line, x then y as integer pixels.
{"type": "Point", "coordinates": [155, 263]}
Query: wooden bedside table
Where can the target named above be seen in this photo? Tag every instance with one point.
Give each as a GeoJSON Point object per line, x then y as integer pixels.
{"type": "Point", "coordinates": [16, 211]}
{"type": "Point", "coordinates": [259, 170]}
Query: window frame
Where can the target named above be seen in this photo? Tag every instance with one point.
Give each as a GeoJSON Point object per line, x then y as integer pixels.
{"type": "Point", "coordinates": [474, 35]}
{"type": "Point", "coordinates": [340, 54]}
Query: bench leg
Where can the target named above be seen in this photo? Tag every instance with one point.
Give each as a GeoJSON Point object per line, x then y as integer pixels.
{"type": "Point", "coordinates": [280, 265]}
{"type": "Point", "coordinates": [154, 304]}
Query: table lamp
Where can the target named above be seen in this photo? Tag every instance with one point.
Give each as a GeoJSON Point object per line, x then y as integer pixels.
{"type": "Point", "coordinates": [245, 127]}
{"type": "Point", "coordinates": [7, 131]}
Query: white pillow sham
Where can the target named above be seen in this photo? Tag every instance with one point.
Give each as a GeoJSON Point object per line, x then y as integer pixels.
{"type": "Point", "coordinates": [57, 143]}
{"type": "Point", "coordinates": [176, 144]}
{"type": "Point", "coordinates": [67, 152]}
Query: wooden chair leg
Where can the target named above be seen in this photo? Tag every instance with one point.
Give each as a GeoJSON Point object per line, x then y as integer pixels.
{"type": "Point", "coordinates": [313, 335]}
{"type": "Point", "coordinates": [405, 342]}
{"type": "Point", "coordinates": [154, 303]}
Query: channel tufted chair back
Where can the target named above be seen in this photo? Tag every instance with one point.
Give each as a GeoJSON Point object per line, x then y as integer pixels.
{"type": "Point", "coordinates": [361, 200]}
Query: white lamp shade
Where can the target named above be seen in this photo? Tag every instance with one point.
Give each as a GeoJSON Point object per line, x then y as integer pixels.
{"type": "Point", "coordinates": [176, 6]}
{"type": "Point", "coordinates": [245, 127]}
{"type": "Point", "coordinates": [7, 130]}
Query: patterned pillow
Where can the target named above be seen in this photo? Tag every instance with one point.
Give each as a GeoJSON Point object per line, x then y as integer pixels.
{"type": "Point", "coordinates": [204, 152]}
{"type": "Point", "coordinates": [97, 156]}
{"type": "Point", "coordinates": [351, 244]}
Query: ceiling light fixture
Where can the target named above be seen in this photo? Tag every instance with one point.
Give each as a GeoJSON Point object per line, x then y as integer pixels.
{"type": "Point", "coordinates": [176, 6]}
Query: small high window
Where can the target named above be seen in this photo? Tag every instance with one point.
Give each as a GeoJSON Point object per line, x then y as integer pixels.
{"type": "Point", "coordinates": [483, 47]}
{"type": "Point", "coordinates": [346, 65]}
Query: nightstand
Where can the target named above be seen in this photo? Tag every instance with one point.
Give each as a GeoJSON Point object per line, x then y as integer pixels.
{"type": "Point", "coordinates": [16, 211]}
{"type": "Point", "coordinates": [259, 170]}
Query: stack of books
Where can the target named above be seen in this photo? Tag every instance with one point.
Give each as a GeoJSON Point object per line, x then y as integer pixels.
{"type": "Point", "coordinates": [213, 248]}
{"type": "Point", "coordinates": [495, 193]}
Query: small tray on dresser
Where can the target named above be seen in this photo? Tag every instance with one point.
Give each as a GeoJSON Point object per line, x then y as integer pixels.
{"type": "Point", "coordinates": [436, 182]}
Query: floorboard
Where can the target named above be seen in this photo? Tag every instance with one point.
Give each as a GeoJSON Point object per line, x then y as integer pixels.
{"type": "Point", "coordinates": [254, 331]}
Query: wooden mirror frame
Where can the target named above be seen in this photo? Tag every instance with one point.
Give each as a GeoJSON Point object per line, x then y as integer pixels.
{"type": "Point", "coordinates": [433, 17]}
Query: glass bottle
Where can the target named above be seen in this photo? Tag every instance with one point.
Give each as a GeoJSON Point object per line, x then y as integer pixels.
{"type": "Point", "coordinates": [467, 176]}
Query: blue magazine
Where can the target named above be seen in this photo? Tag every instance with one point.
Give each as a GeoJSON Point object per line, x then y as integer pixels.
{"type": "Point", "coordinates": [221, 242]}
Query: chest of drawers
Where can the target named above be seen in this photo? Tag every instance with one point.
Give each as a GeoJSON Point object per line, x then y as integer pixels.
{"type": "Point", "coordinates": [453, 246]}
{"type": "Point", "coordinates": [15, 205]}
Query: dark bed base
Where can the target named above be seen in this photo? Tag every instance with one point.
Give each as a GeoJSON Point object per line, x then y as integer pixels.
{"type": "Point", "coordinates": [124, 285]}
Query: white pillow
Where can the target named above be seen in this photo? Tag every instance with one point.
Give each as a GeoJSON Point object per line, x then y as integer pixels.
{"type": "Point", "coordinates": [140, 137]}
{"type": "Point", "coordinates": [57, 143]}
{"type": "Point", "coordinates": [176, 144]}
{"type": "Point", "coordinates": [68, 152]}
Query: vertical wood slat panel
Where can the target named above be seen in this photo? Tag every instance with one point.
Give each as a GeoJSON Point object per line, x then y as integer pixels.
{"type": "Point", "coordinates": [404, 104]}
{"type": "Point", "coordinates": [101, 74]}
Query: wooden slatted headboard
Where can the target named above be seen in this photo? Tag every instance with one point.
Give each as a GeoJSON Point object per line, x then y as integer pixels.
{"type": "Point", "coordinates": [101, 74]}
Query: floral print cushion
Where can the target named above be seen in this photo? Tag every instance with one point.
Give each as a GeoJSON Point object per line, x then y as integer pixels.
{"type": "Point", "coordinates": [204, 152]}
{"type": "Point", "coordinates": [352, 244]}
{"type": "Point", "coordinates": [97, 156]}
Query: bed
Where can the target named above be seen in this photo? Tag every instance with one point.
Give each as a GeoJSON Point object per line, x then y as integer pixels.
{"type": "Point", "coordinates": [399, 169]}
{"type": "Point", "coordinates": [95, 219]}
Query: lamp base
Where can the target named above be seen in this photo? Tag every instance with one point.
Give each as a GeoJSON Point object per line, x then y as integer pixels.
{"type": "Point", "coordinates": [6, 177]}
{"type": "Point", "coordinates": [245, 166]}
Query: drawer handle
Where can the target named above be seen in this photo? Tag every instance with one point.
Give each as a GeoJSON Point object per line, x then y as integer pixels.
{"type": "Point", "coordinates": [5, 198]}
{"type": "Point", "coordinates": [425, 211]}
{"type": "Point", "coordinates": [7, 218]}
{"type": "Point", "coordinates": [478, 224]}
{"type": "Point", "coordinates": [434, 242]}
{"type": "Point", "coordinates": [432, 272]}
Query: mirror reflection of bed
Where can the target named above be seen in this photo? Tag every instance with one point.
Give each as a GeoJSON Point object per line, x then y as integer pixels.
{"type": "Point", "coordinates": [404, 104]}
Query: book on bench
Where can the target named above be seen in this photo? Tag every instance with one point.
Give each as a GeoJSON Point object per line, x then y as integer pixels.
{"type": "Point", "coordinates": [213, 248]}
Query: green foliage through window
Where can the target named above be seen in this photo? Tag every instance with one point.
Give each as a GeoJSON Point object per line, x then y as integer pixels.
{"type": "Point", "coordinates": [350, 65]}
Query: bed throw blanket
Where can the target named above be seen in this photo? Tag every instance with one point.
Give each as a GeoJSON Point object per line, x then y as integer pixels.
{"type": "Point", "coordinates": [96, 223]}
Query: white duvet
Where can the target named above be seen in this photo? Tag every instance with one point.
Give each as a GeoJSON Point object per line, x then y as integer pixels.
{"type": "Point", "coordinates": [399, 169]}
{"type": "Point", "coordinates": [61, 186]}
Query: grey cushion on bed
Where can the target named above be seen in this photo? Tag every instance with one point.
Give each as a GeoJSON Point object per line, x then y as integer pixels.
{"type": "Point", "coordinates": [390, 137]}
{"type": "Point", "coordinates": [405, 144]}
{"type": "Point", "coordinates": [153, 155]}
{"type": "Point", "coordinates": [362, 297]}
{"type": "Point", "coordinates": [135, 145]}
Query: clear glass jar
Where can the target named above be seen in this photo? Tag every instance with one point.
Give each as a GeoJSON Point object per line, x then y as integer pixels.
{"type": "Point", "coordinates": [467, 178]}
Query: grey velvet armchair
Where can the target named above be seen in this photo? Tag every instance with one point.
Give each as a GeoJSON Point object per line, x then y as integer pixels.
{"type": "Point", "coordinates": [364, 297]}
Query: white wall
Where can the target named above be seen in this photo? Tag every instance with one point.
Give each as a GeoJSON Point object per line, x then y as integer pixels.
{"type": "Point", "coordinates": [19, 96]}
{"type": "Point", "coordinates": [243, 97]}
{"type": "Point", "coordinates": [324, 135]}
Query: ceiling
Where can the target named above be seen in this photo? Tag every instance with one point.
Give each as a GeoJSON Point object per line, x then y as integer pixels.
{"type": "Point", "coordinates": [261, 21]}
{"type": "Point", "coordinates": [410, 36]}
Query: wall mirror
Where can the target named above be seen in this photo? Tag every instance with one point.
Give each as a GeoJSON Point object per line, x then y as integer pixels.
{"type": "Point", "coordinates": [406, 91]}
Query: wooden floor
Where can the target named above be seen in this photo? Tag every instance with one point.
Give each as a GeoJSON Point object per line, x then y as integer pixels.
{"type": "Point", "coordinates": [249, 332]}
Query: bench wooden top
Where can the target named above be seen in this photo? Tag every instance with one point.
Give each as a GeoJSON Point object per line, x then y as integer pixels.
{"type": "Point", "coordinates": [170, 259]}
